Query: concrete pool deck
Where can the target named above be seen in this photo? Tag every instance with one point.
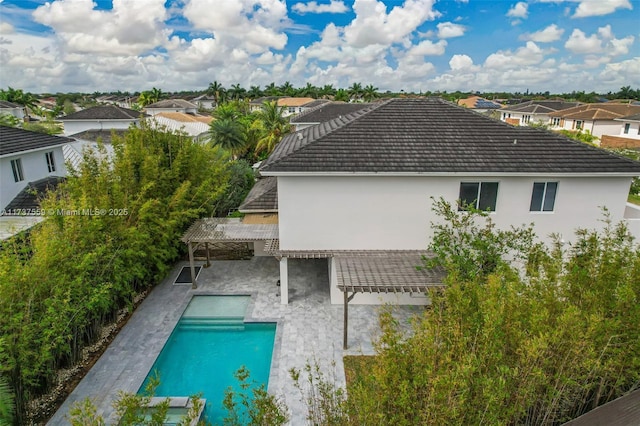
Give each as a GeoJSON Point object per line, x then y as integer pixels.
{"type": "Point", "coordinates": [309, 328]}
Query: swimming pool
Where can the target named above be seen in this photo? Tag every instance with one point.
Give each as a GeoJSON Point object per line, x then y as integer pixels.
{"type": "Point", "coordinates": [208, 345]}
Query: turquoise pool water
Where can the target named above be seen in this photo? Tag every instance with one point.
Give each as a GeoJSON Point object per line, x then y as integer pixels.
{"type": "Point", "coordinates": [209, 344]}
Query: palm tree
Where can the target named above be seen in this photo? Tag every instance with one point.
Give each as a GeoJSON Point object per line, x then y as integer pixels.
{"type": "Point", "coordinates": [271, 89]}
{"type": "Point", "coordinates": [237, 92]}
{"type": "Point", "coordinates": [216, 90]}
{"type": "Point", "coordinates": [272, 125]}
{"type": "Point", "coordinates": [227, 111]}
{"type": "Point", "coordinates": [287, 89]}
{"type": "Point", "coordinates": [17, 96]}
{"type": "Point", "coordinates": [327, 90]}
{"type": "Point", "coordinates": [254, 92]}
{"type": "Point", "coordinates": [228, 134]}
{"type": "Point", "coordinates": [355, 91]}
{"type": "Point", "coordinates": [156, 94]}
{"type": "Point", "coordinates": [369, 93]}
{"type": "Point", "coordinates": [310, 90]}
{"type": "Point", "coordinates": [341, 96]}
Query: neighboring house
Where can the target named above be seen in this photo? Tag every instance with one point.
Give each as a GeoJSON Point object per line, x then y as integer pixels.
{"type": "Point", "coordinates": [171, 105]}
{"type": "Point", "coordinates": [359, 190]}
{"type": "Point", "coordinates": [629, 136]}
{"type": "Point", "coordinates": [289, 105]}
{"type": "Point", "coordinates": [13, 109]}
{"type": "Point", "coordinates": [205, 101]}
{"type": "Point", "coordinates": [529, 112]}
{"type": "Point", "coordinates": [598, 119]}
{"type": "Point", "coordinates": [196, 126]}
{"type": "Point", "coordinates": [30, 163]}
{"type": "Point", "coordinates": [256, 104]}
{"type": "Point", "coordinates": [104, 117]}
{"type": "Point", "coordinates": [327, 111]}
{"type": "Point", "coordinates": [479, 104]}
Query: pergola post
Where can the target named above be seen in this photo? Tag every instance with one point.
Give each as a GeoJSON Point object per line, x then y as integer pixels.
{"type": "Point", "coordinates": [346, 319]}
{"type": "Point", "coordinates": [284, 281]}
{"type": "Point", "coordinates": [206, 247]}
{"type": "Point", "coordinates": [192, 266]}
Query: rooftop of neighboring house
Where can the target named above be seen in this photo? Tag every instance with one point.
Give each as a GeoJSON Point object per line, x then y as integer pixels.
{"type": "Point", "coordinates": [7, 104]}
{"type": "Point", "coordinates": [541, 106]}
{"type": "Point", "coordinates": [261, 100]}
{"type": "Point", "coordinates": [328, 111]}
{"type": "Point", "coordinates": [633, 117]}
{"type": "Point", "coordinates": [105, 112]}
{"type": "Point", "coordinates": [172, 103]}
{"type": "Point", "coordinates": [294, 102]}
{"type": "Point", "coordinates": [104, 135]}
{"type": "Point", "coordinates": [599, 111]}
{"type": "Point", "coordinates": [13, 141]}
{"type": "Point", "coordinates": [263, 197]}
{"type": "Point", "coordinates": [476, 102]}
{"type": "Point", "coordinates": [433, 136]}
{"type": "Point", "coordinates": [29, 197]}
{"type": "Point", "coordinates": [185, 118]}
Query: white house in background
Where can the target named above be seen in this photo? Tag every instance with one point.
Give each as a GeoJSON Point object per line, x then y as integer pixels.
{"type": "Point", "coordinates": [530, 112]}
{"type": "Point", "coordinates": [598, 119]}
{"type": "Point", "coordinates": [205, 101]}
{"type": "Point", "coordinates": [629, 136]}
{"type": "Point", "coordinates": [359, 190]}
{"type": "Point", "coordinates": [104, 117]}
{"type": "Point", "coordinates": [30, 164]}
{"type": "Point", "coordinates": [171, 105]}
{"type": "Point", "coordinates": [13, 109]}
{"type": "Point", "coordinates": [479, 104]}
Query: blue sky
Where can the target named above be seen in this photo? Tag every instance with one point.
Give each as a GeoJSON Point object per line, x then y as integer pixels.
{"type": "Point", "coordinates": [412, 45]}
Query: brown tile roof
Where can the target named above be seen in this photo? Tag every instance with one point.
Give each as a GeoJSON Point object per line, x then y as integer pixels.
{"type": "Point", "coordinates": [430, 135]}
{"type": "Point", "coordinates": [599, 111]}
{"type": "Point", "coordinates": [294, 102]}
{"type": "Point", "coordinates": [186, 118]}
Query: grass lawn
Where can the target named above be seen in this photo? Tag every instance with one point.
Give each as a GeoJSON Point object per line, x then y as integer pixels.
{"type": "Point", "coordinates": [635, 199]}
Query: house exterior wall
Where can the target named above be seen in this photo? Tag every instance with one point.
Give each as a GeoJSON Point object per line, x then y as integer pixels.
{"type": "Point", "coordinates": [16, 112]}
{"type": "Point", "coordinates": [606, 127]}
{"type": "Point", "coordinates": [386, 213]}
{"type": "Point", "coordinates": [634, 129]}
{"type": "Point", "coordinates": [34, 167]}
{"type": "Point", "coordinates": [73, 127]}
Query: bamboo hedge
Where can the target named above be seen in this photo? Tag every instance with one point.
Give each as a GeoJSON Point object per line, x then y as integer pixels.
{"type": "Point", "coordinates": [110, 231]}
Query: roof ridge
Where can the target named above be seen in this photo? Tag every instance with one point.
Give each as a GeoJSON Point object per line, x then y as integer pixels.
{"type": "Point", "coordinates": [343, 120]}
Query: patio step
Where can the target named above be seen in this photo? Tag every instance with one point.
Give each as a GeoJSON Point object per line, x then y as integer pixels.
{"type": "Point", "coordinates": [212, 323]}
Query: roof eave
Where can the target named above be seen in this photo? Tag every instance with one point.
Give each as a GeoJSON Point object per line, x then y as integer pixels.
{"type": "Point", "coordinates": [28, 151]}
{"type": "Point", "coordinates": [455, 174]}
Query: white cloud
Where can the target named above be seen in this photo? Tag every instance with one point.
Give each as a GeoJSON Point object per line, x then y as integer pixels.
{"type": "Point", "coordinates": [604, 42]}
{"type": "Point", "coordinates": [530, 54]}
{"type": "Point", "coordinates": [6, 28]}
{"type": "Point", "coordinates": [547, 35]}
{"type": "Point", "coordinates": [373, 25]}
{"type": "Point", "coordinates": [335, 6]}
{"type": "Point", "coordinates": [450, 30]}
{"type": "Point", "coordinates": [600, 7]}
{"type": "Point", "coordinates": [462, 63]}
{"type": "Point", "coordinates": [519, 10]}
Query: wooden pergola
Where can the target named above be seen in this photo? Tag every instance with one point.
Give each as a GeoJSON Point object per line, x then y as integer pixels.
{"type": "Point", "coordinates": [220, 232]}
{"type": "Point", "coordinates": [388, 272]}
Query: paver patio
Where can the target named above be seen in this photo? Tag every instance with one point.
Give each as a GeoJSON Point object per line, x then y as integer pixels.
{"type": "Point", "coordinates": [309, 327]}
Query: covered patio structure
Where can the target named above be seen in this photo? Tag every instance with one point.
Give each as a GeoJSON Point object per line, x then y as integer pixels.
{"type": "Point", "coordinates": [353, 272]}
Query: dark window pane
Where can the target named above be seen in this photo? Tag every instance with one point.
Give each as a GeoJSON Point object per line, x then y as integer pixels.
{"type": "Point", "coordinates": [536, 197]}
{"type": "Point", "coordinates": [468, 194]}
{"type": "Point", "coordinates": [488, 196]}
{"type": "Point", "coordinates": [550, 196]}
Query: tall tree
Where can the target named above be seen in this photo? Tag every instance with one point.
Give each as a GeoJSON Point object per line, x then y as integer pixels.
{"type": "Point", "coordinates": [327, 91]}
{"type": "Point", "coordinates": [229, 134]}
{"type": "Point", "coordinates": [216, 90]}
{"type": "Point", "coordinates": [341, 96]}
{"type": "Point", "coordinates": [236, 92]}
{"type": "Point", "coordinates": [369, 93]}
{"type": "Point", "coordinates": [272, 90]}
{"type": "Point", "coordinates": [272, 125]}
{"type": "Point", "coordinates": [287, 89]}
{"type": "Point", "coordinates": [254, 92]}
{"type": "Point", "coordinates": [355, 91]}
{"type": "Point", "coordinates": [310, 91]}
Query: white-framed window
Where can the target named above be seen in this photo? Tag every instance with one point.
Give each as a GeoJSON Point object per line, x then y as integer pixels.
{"type": "Point", "coordinates": [51, 163]}
{"type": "Point", "coordinates": [543, 196]}
{"type": "Point", "coordinates": [16, 167]}
{"type": "Point", "coordinates": [526, 118]}
{"type": "Point", "coordinates": [627, 126]}
{"type": "Point", "coordinates": [578, 124]}
{"type": "Point", "coordinates": [481, 195]}
{"type": "Point", "coordinates": [555, 121]}
{"type": "Point", "coordinates": [292, 110]}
